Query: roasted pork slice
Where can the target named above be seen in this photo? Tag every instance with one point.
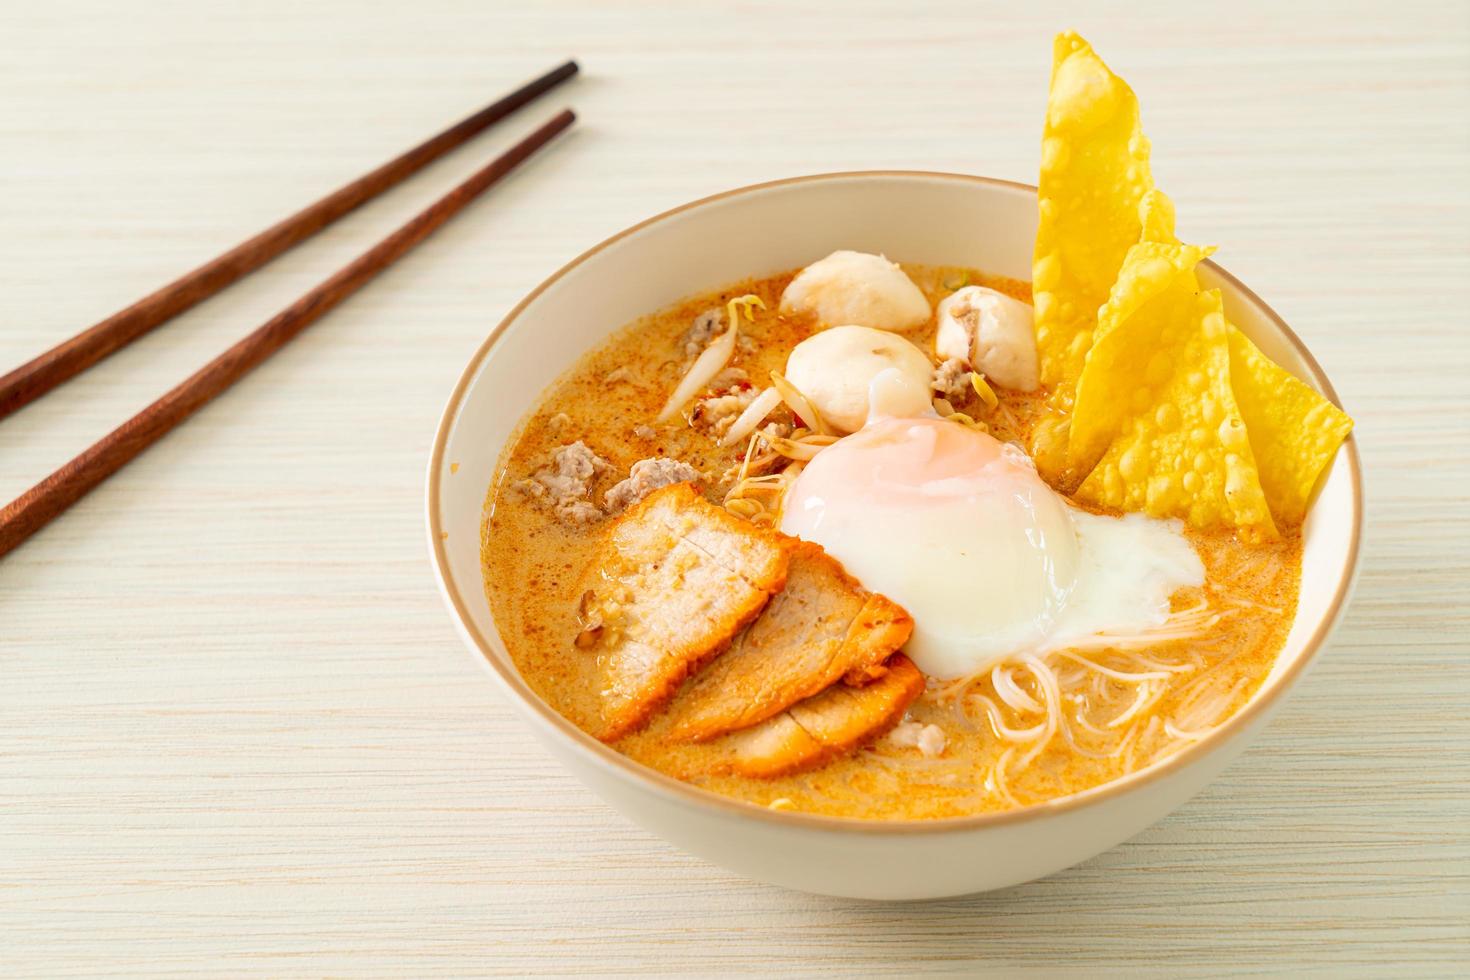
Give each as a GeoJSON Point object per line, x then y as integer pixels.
{"type": "Point", "coordinates": [678, 579]}
{"type": "Point", "coordinates": [822, 627]}
{"type": "Point", "coordinates": [812, 732]}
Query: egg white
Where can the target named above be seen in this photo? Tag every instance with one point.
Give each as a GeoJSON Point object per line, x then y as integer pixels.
{"type": "Point", "coordinates": [990, 561]}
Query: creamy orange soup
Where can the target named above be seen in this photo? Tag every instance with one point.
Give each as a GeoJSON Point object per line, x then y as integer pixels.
{"type": "Point", "coordinates": [1119, 710]}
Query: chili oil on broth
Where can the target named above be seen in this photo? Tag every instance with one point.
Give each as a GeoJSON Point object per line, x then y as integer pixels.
{"type": "Point", "coordinates": [1110, 723]}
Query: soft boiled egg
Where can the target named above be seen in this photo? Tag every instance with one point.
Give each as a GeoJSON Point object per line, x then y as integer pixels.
{"type": "Point", "coordinates": [856, 287]}
{"type": "Point", "coordinates": [958, 528]}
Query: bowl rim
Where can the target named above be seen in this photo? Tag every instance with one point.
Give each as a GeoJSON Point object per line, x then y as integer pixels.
{"type": "Point", "coordinates": [598, 753]}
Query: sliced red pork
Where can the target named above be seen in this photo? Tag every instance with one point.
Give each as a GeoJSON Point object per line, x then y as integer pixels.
{"type": "Point", "coordinates": [678, 580]}
{"type": "Point", "coordinates": [812, 732]}
{"type": "Point", "coordinates": [822, 627]}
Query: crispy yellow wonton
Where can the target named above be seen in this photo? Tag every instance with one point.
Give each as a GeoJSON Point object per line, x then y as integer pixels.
{"type": "Point", "coordinates": [1152, 407]}
{"type": "Point", "coordinates": [1181, 448]}
{"type": "Point", "coordinates": [1094, 178]}
{"type": "Point", "coordinates": [1140, 335]}
{"type": "Point", "coordinates": [1294, 431]}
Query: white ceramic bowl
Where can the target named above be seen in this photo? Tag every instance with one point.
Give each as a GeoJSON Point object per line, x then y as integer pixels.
{"type": "Point", "coordinates": [756, 231]}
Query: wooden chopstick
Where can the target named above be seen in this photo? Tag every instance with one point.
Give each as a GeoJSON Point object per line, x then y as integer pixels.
{"type": "Point", "coordinates": [33, 509]}
{"type": "Point", "coordinates": [69, 358]}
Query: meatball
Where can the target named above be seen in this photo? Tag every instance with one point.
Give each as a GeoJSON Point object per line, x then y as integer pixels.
{"type": "Point", "coordinates": [835, 369]}
{"type": "Point", "coordinates": [855, 287]}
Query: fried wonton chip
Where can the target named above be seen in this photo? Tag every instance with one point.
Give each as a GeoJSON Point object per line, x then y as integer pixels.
{"type": "Point", "coordinates": [1156, 218]}
{"type": "Point", "coordinates": [1294, 431]}
{"type": "Point", "coordinates": [1130, 357]}
{"type": "Point", "coordinates": [1095, 179]}
{"type": "Point", "coordinates": [1151, 407]}
{"type": "Point", "coordinates": [1179, 446]}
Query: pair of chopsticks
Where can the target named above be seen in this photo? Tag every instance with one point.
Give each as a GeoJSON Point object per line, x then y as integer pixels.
{"type": "Point", "coordinates": [36, 507]}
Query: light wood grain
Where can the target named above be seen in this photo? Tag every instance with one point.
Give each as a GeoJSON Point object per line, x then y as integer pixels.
{"type": "Point", "coordinates": [237, 734]}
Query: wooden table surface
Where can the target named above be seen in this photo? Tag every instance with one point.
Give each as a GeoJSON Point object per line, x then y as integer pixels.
{"type": "Point", "coordinates": [237, 733]}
